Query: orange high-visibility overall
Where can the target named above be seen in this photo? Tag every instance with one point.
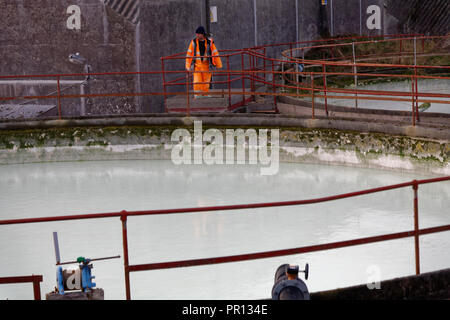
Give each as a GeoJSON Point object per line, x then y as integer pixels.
{"type": "Point", "coordinates": [202, 79]}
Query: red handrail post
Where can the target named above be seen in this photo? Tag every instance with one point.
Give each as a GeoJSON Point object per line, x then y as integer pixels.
{"type": "Point", "coordinates": [416, 227]}
{"type": "Point", "coordinates": [417, 94]}
{"type": "Point", "coordinates": [274, 88]}
{"type": "Point", "coordinates": [312, 93]}
{"type": "Point", "coordinates": [253, 74]}
{"type": "Point", "coordinates": [264, 63]}
{"type": "Point", "coordinates": [59, 97]}
{"type": "Point", "coordinates": [412, 103]}
{"type": "Point", "coordinates": [35, 279]}
{"type": "Point", "coordinates": [229, 82]}
{"type": "Point", "coordinates": [37, 288]}
{"type": "Point", "coordinates": [123, 218]}
{"type": "Point", "coordinates": [164, 83]}
{"type": "Point", "coordinates": [325, 87]}
{"type": "Point", "coordinates": [188, 107]}
{"type": "Point", "coordinates": [243, 77]}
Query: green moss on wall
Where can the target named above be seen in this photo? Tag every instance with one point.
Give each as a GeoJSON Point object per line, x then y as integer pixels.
{"type": "Point", "coordinates": [361, 143]}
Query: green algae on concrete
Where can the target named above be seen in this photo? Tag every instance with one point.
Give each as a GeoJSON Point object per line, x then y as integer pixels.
{"type": "Point", "coordinates": [296, 145]}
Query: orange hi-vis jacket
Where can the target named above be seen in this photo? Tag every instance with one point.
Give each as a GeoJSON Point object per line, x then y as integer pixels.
{"type": "Point", "coordinates": [211, 50]}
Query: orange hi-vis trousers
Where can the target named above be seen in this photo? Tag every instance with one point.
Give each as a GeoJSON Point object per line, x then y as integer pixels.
{"type": "Point", "coordinates": [199, 77]}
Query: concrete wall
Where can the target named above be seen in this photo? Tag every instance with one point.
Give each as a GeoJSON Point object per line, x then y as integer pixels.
{"type": "Point", "coordinates": [427, 286]}
{"type": "Point", "coordinates": [132, 35]}
{"type": "Point", "coordinates": [35, 39]}
{"type": "Point", "coordinates": [350, 17]}
{"type": "Point", "coordinates": [227, 33]}
{"type": "Point", "coordinates": [149, 138]}
{"type": "Point", "coordinates": [418, 16]}
{"type": "Point", "coordinates": [165, 28]}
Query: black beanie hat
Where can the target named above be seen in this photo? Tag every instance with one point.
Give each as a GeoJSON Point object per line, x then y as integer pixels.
{"type": "Point", "coordinates": [200, 30]}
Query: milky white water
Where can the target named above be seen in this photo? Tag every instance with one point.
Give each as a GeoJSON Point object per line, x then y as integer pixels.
{"type": "Point", "coordinates": [50, 189]}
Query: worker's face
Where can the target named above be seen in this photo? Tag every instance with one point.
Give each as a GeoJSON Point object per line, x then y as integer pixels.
{"type": "Point", "coordinates": [200, 36]}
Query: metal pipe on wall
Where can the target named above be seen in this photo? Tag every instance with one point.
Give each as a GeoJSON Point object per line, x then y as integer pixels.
{"type": "Point", "coordinates": [332, 28]}
{"type": "Point", "coordinates": [256, 23]}
{"type": "Point", "coordinates": [296, 21]}
{"type": "Point", "coordinates": [207, 16]}
{"type": "Point", "coordinates": [360, 18]}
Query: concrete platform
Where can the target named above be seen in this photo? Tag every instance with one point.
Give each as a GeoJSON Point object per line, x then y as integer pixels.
{"type": "Point", "coordinates": [219, 101]}
{"type": "Point", "coordinates": [26, 111]}
{"type": "Point", "coordinates": [426, 286]}
{"type": "Point", "coordinates": [96, 294]}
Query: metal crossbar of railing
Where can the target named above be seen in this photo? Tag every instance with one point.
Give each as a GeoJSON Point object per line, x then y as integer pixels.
{"type": "Point", "coordinates": [124, 215]}
{"type": "Point", "coordinates": [253, 70]}
{"type": "Point", "coordinates": [246, 69]}
{"type": "Point", "coordinates": [35, 279]}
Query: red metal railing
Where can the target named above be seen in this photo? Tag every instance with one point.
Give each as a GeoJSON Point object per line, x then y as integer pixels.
{"type": "Point", "coordinates": [245, 69]}
{"type": "Point", "coordinates": [252, 70]}
{"type": "Point", "coordinates": [124, 215]}
{"type": "Point", "coordinates": [34, 279]}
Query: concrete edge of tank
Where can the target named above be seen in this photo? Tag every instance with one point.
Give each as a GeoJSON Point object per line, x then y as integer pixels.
{"type": "Point", "coordinates": [426, 286]}
{"type": "Point", "coordinates": [245, 120]}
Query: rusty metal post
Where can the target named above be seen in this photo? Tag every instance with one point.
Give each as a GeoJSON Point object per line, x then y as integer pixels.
{"type": "Point", "coordinates": [312, 92]}
{"type": "Point", "coordinates": [264, 63]}
{"type": "Point", "coordinates": [164, 84]}
{"type": "Point", "coordinates": [355, 71]}
{"type": "Point", "coordinates": [325, 87]}
{"type": "Point", "coordinates": [273, 86]}
{"type": "Point", "coordinates": [59, 97]}
{"type": "Point", "coordinates": [415, 51]}
{"type": "Point", "coordinates": [37, 288]}
{"type": "Point", "coordinates": [123, 218]}
{"type": "Point", "coordinates": [188, 107]}
{"type": "Point", "coordinates": [243, 78]}
{"type": "Point", "coordinates": [251, 61]}
{"type": "Point", "coordinates": [229, 81]}
{"type": "Point", "coordinates": [417, 94]}
{"type": "Point", "coordinates": [416, 227]}
{"type": "Point", "coordinates": [412, 102]}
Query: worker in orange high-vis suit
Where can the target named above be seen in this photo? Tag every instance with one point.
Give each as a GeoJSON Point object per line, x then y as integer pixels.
{"type": "Point", "coordinates": [206, 55]}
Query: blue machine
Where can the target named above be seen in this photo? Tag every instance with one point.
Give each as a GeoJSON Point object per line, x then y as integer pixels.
{"type": "Point", "coordinates": [79, 279]}
{"type": "Point", "coordinates": [86, 277]}
{"type": "Point", "coordinates": [63, 277]}
{"type": "Point", "coordinates": [60, 280]}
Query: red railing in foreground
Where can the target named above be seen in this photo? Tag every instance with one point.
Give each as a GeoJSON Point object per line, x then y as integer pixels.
{"type": "Point", "coordinates": [416, 232]}
{"type": "Point", "coordinates": [34, 279]}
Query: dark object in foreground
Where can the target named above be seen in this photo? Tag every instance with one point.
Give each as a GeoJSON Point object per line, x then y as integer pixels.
{"type": "Point", "coordinates": [287, 284]}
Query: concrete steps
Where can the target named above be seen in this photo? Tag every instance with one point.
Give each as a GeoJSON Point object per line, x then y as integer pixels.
{"type": "Point", "coordinates": [218, 102]}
